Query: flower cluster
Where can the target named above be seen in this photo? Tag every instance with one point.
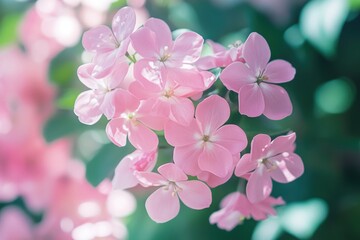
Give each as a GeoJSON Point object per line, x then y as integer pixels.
{"type": "Point", "coordinates": [145, 82]}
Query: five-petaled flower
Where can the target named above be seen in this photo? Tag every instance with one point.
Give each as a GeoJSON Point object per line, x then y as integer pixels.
{"type": "Point", "coordinates": [163, 204]}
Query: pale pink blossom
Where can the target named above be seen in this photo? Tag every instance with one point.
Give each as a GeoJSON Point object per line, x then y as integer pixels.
{"type": "Point", "coordinates": [168, 99]}
{"type": "Point", "coordinates": [163, 204]}
{"type": "Point", "coordinates": [255, 81]}
{"type": "Point", "coordinates": [15, 225]}
{"type": "Point", "coordinates": [137, 161]}
{"type": "Point", "coordinates": [92, 104]}
{"type": "Point", "coordinates": [269, 160]}
{"type": "Point", "coordinates": [132, 120]}
{"type": "Point", "coordinates": [221, 56]}
{"type": "Point", "coordinates": [205, 145]}
{"type": "Point", "coordinates": [154, 44]}
{"type": "Point", "coordinates": [235, 207]}
{"type": "Point", "coordinates": [109, 45]}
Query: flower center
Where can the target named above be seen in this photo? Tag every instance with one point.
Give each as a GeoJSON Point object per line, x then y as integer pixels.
{"type": "Point", "coordinates": [169, 93]}
{"type": "Point", "coordinates": [270, 166]}
{"type": "Point", "coordinates": [261, 78]}
{"type": "Point", "coordinates": [206, 138]}
{"type": "Point", "coordinates": [174, 188]}
{"type": "Point", "coordinates": [165, 55]}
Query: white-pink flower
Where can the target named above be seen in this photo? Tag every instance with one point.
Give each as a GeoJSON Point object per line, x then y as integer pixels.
{"type": "Point", "coordinates": [235, 207]}
{"type": "Point", "coordinates": [92, 104]}
{"type": "Point", "coordinates": [154, 44]}
{"type": "Point", "coordinates": [255, 81]}
{"type": "Point", "coordinates": [109, 45]}
{"type": "Point", "coordinates": [205, 145]}
{"type": "Point", "coordinates": [269, 160]}
{"type": "Point", "coordinates": [132, 120]}
{"type": "Point", "coordinates": [137, 161]}
{"type": "Point", "coordinates": [163, 204]}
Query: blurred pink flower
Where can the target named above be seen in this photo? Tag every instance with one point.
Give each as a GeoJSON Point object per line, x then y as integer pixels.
{"type": "Point", "coordinates": [15, 225]}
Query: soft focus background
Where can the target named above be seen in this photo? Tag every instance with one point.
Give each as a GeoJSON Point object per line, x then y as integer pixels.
{"type": "Point", "coordinates": [50, 163]}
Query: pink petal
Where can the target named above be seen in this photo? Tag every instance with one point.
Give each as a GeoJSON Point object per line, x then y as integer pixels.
{"type": "Point", "coordinates": [216, 47]}
{"type": "Point", "coordinates": [277, 101]}
{"type": "Point", "coordinates": [118, 75]}
{"type": "Point", "coordinates": [237, 75]}
{"type": "Point", "coordinates": [256, 52]}
{"type": "Point", "coordinates": [115, 130]}
{"type": "Point", "coordinates": [187, 47]}
{"type": "Point", "coordinates": [195, 194]}
{"type": "Point", "coordinates": [259, 146]}
{"type": "Point", "coordinates": [212, 113]}
{"type": "Point", "coordinates": [84, 73]}
{"type": "Point", "coordinates": [179, 135]}
{"type": "Point", "coordinates": [251, 100]}
{"type": "Point", "coordinates": [282, 144]}
{"type": "Point", "coordinates": [125, 101]}
{"type": "Point", "coordinates": [231, 137]}
{"type": "Point", "coordinates": [105, 63]}
{"type": "Point", "coordinates": [289, 168]}
{"type": "Point", "coordinates": [172, 172]}
{"type": "Point", "coordinates": [162, 32]}
{"type": "Point", "coordinates": [182, 111]}
{"type": "Point", "coordinates": [226, 219]}
{"type": "Point", "coordinates": [186, 77]}
{"type": "Point", "coordinates": [216, 160]}
{"type": "Point", "coordinates": [162, 205]}
{"type": "Point", "coordinates": [123, 23]}
{"type": "Point", "coordinates": [259, 185]}
{"type": "Point", "coordinates": [245, 165]}
{"type": "Point", "coordinates": [124, 176]}
{"type": "Point", "coordinates": [144, 91]}
{"type": "Point", "coordinates": [186, 157]}
{"type": "Point", "coordinates": [87, 107]}
{"type": "Point", "coordinates": [108, 106]}
{"type": "Point", "coordinates": [148, 71]}
{"type": "Point", "coordinates": [212, 180]}
{"type": "Point", "coordinates": [99, 39]}
{"type": "Point", "coordinates": [148, 50]}
{"type": "Point", "coordinates": [279, 71]}
{"type": "Point", "coordinates": [148, 179]}
{"type": "Point", "coordinates": [142, 137]}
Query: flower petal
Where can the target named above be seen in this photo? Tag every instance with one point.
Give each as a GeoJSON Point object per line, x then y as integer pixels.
{"type": "Point", "coordinates": [277, 102]}
{"type": "Point", "coordinates": [182, 110]}
{"type": "Point", "coordinates": [99, 40]}
{"type": "Point", "coordinates": [195, 194]}
{"type": "Point", "coordinates": [279, 71]}
{"type": "Point", "coordinates": [172, 172]}
{"type": "Point", "coordinates": [282, 144]}
{"type": "Point", "coordinates": [187, 47]}
{"type": "Point", "coordinates": [237, 75]}
{"type": "Point", "coordinates": [162, 205]}
{"type": "Point", "coordinates": [231, 137]}
{"type": "Point", "coordinates": [186, 157]}
{"type": "Point", "coordinates": [212, 113]}
{"type": "Point", "coordinates": [251, 100]}
{"type": "Point", "coordinates": [116, 132]}
{"type": "Point", "coordinates": [162, 33]}
{"type": "Point", "coordinates": [148, 50]}
{"type": "Point", "coordinates": [179, 135]}
{"type": "Point", "coordinates": [142, 137]}
{"type": "Point", "coordinates": [259, 185]}
{"type": "Point", "coordinates": [256, 52]}
{"type": "Point", "coordinates": [147, 179]}
{"type": "Point", "coordinates": [289, 167]}
{"type": "Point", "coordinates": [87, 107]}
{"type": "Point", "coordinates": [216, 160]}
{"type": "Point", "coordinates": [245, 165]}
{"type": "Point", "coordinates": [84, 73]}
{"type": "Point", "coordinates": [259, 146]}
{"type": "Point", "coordinates": [123, 23]}
{"type": "Point", "coordinates": [124, 176]}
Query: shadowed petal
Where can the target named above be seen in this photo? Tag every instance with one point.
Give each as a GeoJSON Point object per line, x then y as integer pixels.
{"type": "Point", "coordinates": [251, 100]}
{"type": "Point", "coordinates": [277, 101]}
{"type": "Point", "coordinates": [216, 159]}
{"type": "Point", "coordinates": [142, 137]}
{"type": "Point", "coordinates": [259, 185]}
{"type": "Point", "coordinates": [231, 137]}
{"type": "Point", "coordinates": [195, 194]}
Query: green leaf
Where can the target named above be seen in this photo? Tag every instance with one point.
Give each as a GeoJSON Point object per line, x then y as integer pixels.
{"type": "Point", "coordinates": [64, 66]}
{"type": "Point", "coordinates": [67, 100]}
{"type": "Point", "coordinates": [63, 123]}
{"type": "Point", "coordinates": [321, 22]}
{"type": "Point", "coordinates": [103, 164]}
{"type": "Point", "coordinates": [9, 28]}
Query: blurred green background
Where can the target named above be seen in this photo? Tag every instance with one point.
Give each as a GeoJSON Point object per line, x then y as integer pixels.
{"type": "Point", "coordinates": [321, 38]}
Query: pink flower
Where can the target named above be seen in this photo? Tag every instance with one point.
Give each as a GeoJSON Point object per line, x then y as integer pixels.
{"type": "Point", "coordinates": [205, 145]}
{"type": "Point", "coordinates": [161, 52]}
{"type": "Point", "coordinates": [269, 160]}
{"type": "Point", "coordinates": [92, 104]}
{"type": "Point", "coordinates": [235, 207]}
{"type": "Point", "coordinates": [163, 204]}
{"type": "Point", "coordinates": [110, 44]}
{"type": "Point", "coordinates": [132, 121]}
{"type": "Point", "coordinates": [255, 81]}
{"type": "Point", "coordinates": [137, 161]}
{"type": "Point", "coordinates": [221, 57]}
{"type": "Point", "coordinates": [15, 225]}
